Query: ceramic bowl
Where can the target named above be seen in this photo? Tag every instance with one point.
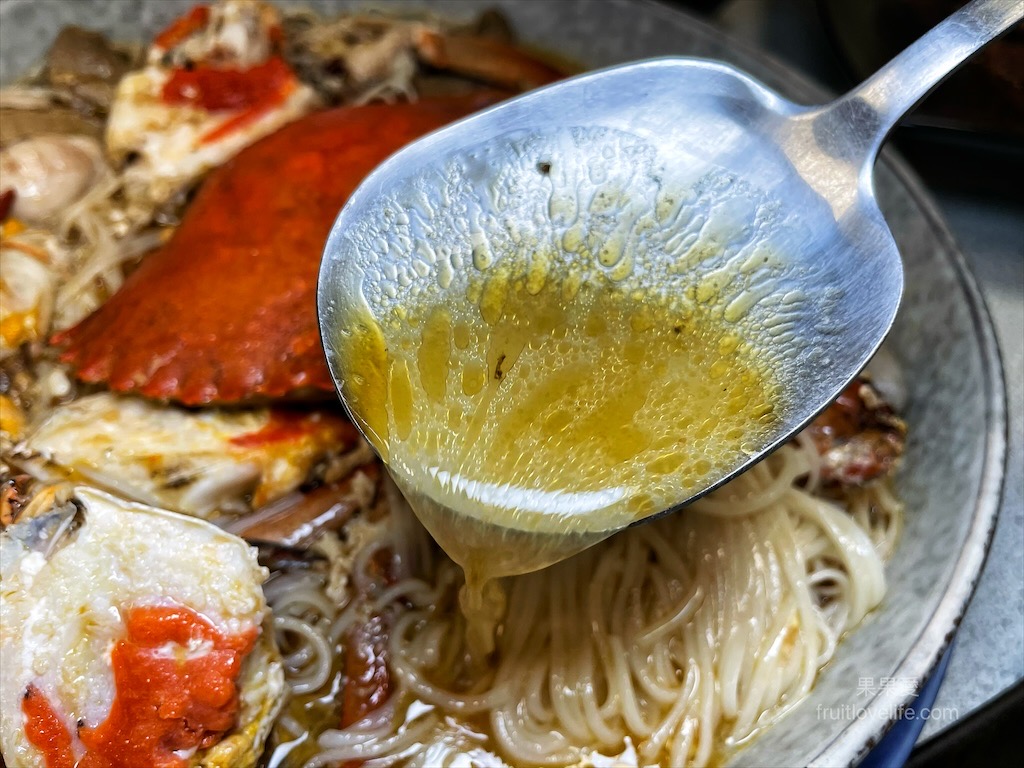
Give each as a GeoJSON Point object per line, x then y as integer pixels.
{"type": "Point", "coordinates": [953, 469]}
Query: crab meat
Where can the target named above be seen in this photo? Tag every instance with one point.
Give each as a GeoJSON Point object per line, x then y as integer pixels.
{"type": "Point", "coordinates": [27, 288]}
{"type": "Point", "coordinates": [213, 84]}
{"type": "Point", "coordinates": [226, 310]}
{"type": "Point", "coordinates": [48, 173]}
{"type": "Point", "coordinates": [299, 519]}
{"type": "Point", "coordinates": [359, 57]}
{"type": "Point", "coordinates": [31, 264]}
{"type": "Point", "coordinates": [15, 493]}
{"type": "Point", "coordinates": [205, 463]}
{"type": "Point", "coordinates": [132, 636]}
{"type": "Point", "coordinates": [859, 437]}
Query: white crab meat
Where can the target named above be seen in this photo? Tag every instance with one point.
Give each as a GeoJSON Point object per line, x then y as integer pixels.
{"type": "Point", "coordinates": [206, 463]}
{"type": "Point", "coordinates": [97, 593]}
{"type": "Point", "coordinates": [12, 420]}
{"type": "Point", "coordinates": [48, 173]}
{"type": "Point", "coordinates": [27, 286]}
{"type": "Point", "coordinates": [31, 262]}
{"type": "Point", "coordinates": [174, 143]}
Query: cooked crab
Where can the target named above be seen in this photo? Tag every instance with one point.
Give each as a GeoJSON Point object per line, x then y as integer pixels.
{"type": "Point", "coordinates": [364, 56]}
{"type": "Point", "coordinates": [225, 311]}
{"type": "Point", "coordinates": [132, 636]}
{"type": "Point", "coordinates": [207, 463]}
{"type": "Point", "coordinates": [45, 174]}
{"type": "Point", "coordinates": [57, 259]}
{"type": "Point", "coordinates": [213, 83]}
{"type": "Point", "coordinates": [859, 436]}
{"type": "Point", "coordinates": [40, 178]}
{"type": "Point", "coordinates": [175, 331]}
{"type": "Point", "coordinates": [29, 269]}
{"type": "Point", "coordinates": [299, 519]}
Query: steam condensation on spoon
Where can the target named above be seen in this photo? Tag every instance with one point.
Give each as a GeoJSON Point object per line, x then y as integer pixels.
{"type": "Point", "coordinates": [535, 387]}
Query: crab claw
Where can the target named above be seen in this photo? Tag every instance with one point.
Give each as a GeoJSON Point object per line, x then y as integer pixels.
{"type": "Point", "coordinates": [225, 311]}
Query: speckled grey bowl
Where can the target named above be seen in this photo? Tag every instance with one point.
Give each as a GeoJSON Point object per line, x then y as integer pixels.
{"type": "Point", "coordinates": [953, 470]}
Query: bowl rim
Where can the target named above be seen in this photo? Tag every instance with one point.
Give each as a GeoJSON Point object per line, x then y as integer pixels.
{"type": "Point", "coordinates": [925, 653]}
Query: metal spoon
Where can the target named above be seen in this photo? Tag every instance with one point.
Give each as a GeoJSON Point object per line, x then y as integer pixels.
{"type": "Point", "coordinates": [691, 163]}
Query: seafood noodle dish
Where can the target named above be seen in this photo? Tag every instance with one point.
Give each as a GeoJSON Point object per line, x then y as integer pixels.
{"type": "Point", "coordinates": [203, 561]}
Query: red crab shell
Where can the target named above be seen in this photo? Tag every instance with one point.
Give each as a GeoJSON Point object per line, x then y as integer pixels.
{"type": "Point", "coordinates": [225, 311]}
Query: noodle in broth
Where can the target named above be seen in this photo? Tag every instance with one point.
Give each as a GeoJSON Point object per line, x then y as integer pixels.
{"type": "Point", "coordinates": [671, 643]}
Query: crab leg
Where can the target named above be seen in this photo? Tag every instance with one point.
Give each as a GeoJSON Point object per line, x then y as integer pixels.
{"type": "Point", "coordinates": [483, 58]}
{"type": "Point", "coordinates": [299, 519]}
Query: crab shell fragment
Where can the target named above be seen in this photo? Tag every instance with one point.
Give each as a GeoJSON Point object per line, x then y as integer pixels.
{"type": "Point", "coordinates": [98, 594]}
{"type": "Point", "coordinates": [225, 311]}
{"type": "Point", "coordinates": [208, 463]}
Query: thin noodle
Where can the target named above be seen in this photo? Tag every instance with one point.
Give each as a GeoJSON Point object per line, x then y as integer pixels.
{"type": "Point", "coordinates": [682, 637]}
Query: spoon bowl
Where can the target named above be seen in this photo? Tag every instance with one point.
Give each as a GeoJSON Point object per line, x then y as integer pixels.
{"type": "Point", "coordinates": [671, 177]}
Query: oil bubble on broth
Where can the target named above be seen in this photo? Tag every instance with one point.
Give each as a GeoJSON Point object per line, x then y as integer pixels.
{"type": "Point", "coordinates": [572, 336]}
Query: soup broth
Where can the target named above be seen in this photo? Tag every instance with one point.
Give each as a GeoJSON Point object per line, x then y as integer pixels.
{"type": "Point", "coordinates": [536, 419]}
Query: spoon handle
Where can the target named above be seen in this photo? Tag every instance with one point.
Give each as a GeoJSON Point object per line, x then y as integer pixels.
{"type": "Point", "coordinates": [899, 85]}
